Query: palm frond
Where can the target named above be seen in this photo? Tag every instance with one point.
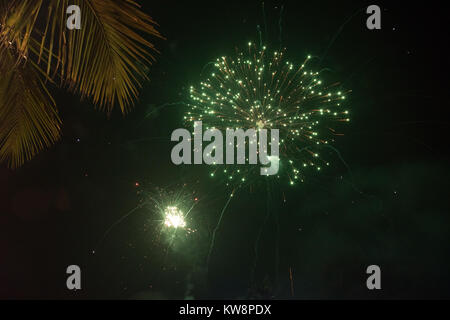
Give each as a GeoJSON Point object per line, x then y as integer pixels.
{"type": "Point", "coordinates": [29, 122]}
{"type": "Point", "coordinates": [104, 60]}
{"type": "Point", "coordinates": [17, 20]}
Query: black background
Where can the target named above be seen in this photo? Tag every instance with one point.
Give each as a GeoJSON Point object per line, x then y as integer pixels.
{"type": "Point", "coordinates": [391, 210]}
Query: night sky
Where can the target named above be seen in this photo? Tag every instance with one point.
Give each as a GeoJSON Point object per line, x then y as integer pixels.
{"type": "Point", "coordinates": [385, 204]}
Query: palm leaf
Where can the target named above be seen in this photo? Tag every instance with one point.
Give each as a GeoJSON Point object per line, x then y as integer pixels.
{"type": "Point", "coordinates": [104, 60]}
{"type": "Point", "coordinates": [17, 20]}
{"type": "Point", "coordinates": [29, 122]}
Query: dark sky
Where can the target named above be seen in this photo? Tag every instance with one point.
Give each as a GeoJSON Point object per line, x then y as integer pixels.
{"type": "Point", "coordinates": [389, 207]}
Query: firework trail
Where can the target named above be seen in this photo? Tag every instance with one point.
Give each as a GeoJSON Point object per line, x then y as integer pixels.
{"type": "Point", "coordinates": [213, 238]}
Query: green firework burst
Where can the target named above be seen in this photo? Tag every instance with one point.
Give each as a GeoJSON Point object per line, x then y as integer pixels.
{"type": "Point", "coordinates": [257, 89]}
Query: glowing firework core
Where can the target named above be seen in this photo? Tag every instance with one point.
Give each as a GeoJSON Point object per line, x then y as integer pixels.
{"type": "Point", "coordinates": [173, 217]}
{"type": "Point", "coordinates": [260, 124]}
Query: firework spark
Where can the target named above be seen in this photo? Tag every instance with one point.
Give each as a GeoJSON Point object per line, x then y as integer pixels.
{"type": "Point", "coordinates": [172, 207]}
